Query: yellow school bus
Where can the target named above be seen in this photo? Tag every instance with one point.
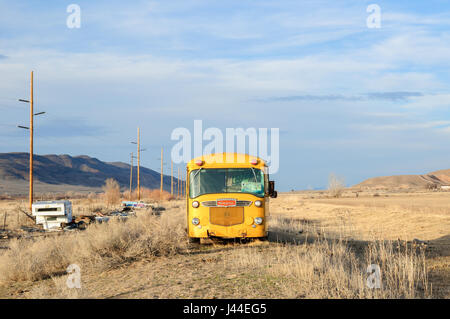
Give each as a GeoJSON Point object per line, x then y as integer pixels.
{"type": "Point", "coordinates": [228, 196]}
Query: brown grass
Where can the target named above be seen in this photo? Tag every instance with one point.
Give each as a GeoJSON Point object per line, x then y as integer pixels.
{"type": "Point", "coordinates": [148, 195]}
{"type": "Point", "coordinates": [155, 195]}
{"type": "Point", "coordinates": [57, 289]}
{"type": "Point", "coordinates": [332, 269]}
{"type": "Point", "coordinates": [326, 249]}
{"type": "Point", "coordinates": [101, 246]}
{"type": "Point", "coordinates": [406, 216]}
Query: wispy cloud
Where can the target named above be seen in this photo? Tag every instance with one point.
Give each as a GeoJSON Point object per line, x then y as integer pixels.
{"type": "Point", "coordinates": [151, 63]}
{"type": "Point", "coordinates": [402, 126]}
{"type": "Point", "coordinates": [309, 97]}
{"type": "Point", "coordinates": [392, 96]}
{"type": "Point", "coordinates": [377, 96]}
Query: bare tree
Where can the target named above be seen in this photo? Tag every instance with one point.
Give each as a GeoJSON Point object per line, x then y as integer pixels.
{"type": "Point", "coordinates": [336, 185]}
{"type": "Point", "coordinates": [111, 191]}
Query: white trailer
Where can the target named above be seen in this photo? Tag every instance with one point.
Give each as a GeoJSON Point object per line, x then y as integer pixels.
{"type": "Point", "coordinates": [51, 214]}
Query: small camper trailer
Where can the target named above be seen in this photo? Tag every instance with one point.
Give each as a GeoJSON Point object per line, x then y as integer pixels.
{"type": "Point", "coordinates": [52, 214]}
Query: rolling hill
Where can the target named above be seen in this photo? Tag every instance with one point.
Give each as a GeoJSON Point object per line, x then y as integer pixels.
{"type": "Point", "coordinates": [65, 172]}
{"type": "Point", "coordinates": [438, 178]}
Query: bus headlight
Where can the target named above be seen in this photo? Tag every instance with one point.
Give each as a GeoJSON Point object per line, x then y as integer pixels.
{"type": "Point", "coordinates": [195, 204]}
{"type": "Point", "coordinates": [258, 220]}
{"type": "Point", "coordinates": [258, 203]}
{"type": "Point", "coordinates": [195, 221]}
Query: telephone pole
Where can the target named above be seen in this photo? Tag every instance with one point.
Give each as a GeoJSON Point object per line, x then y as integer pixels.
{"type": "Point", "coordinates": [139, 163]}
{"type": "Point", "coordinates": [161, 188]}
{"type": "Point", "coordinates": [185, 183]}
{"type": "Point", "coordinates": [31, 129]}
{"type": "Point", "coordinates": [138, 143]}
{"type": "Point", "coordinates": [31, 141]}
{"type": "Point", "coordinates": [131, 176]}
{"type": "Point", "coordinates": [171, 177]}
{"type": "Point", "coordinates": [178, 183]}
{"type": "Point", "coordinates": [182, 184]}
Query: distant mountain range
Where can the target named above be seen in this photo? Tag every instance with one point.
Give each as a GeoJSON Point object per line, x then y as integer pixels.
{"type": "Point", "coordinates": [62, 173]}
{"type": "Point", "coordinates": [75, 172]}
{"type": "Point", "coordinates": [438, 178]}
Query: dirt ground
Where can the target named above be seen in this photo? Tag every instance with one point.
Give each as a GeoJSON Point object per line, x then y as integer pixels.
{"type": "Point", "coordinates": [218, 270]}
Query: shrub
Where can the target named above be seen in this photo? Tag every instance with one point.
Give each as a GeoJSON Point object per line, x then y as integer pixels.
{"type": "Point", "coordinates": [336, 185]}
{"type": "Point", "coordinates": [111, 191]}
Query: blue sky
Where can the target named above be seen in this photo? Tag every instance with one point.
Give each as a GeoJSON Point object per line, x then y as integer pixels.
{"type": "Point", "coordinates": [350, 100]}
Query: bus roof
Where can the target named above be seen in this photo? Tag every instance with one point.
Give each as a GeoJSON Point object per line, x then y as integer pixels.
{"type": "Point", "coordinates": [223, 160]}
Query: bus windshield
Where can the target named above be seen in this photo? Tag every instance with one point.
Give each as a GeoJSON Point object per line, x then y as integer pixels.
{"type": "Point", "coordinates": [226, 180]}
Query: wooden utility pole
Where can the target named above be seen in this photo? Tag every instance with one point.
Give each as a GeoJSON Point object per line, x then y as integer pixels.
{"type": "Point", "coordinates": [178, 183]}
{"type": "Point", "coordinates": [185, 183]}
{"type": "Point", "coordinates": [138, 143]}
{"type": "Point", "coordinates": [31, 128]}
{"type": "Point", "coordinates": [139, 163]}
{"type": "Point", "coordinates": [161, 188]}
{"type": "Point", "coordinates": [171, 177]}
{"type": "Point", "coordinates": [131, 175]}
{"type": "Point", "coordinates": [31, 142]}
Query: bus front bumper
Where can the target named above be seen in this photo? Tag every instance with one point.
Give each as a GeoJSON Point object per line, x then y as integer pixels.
{"type": "Point", "coordinates": [237, 231]}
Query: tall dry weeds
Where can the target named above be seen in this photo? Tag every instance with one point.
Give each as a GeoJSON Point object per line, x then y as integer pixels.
{"type": "Point", "coordinates": [100, 247]}
{"type": "Point", "coordinates": [333, 269]}
{"type": "Point", "coordinates": [153, 194]}
{"type": "Point", "coordinates": [316, 263]}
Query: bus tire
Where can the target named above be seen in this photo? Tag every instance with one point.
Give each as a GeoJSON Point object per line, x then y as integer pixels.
{"type": "Point", "coordinates": [194, 240]}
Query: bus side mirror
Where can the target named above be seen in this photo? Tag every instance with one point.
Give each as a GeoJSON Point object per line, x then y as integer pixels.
{"type": "Point", "coordinates": [272, 192]}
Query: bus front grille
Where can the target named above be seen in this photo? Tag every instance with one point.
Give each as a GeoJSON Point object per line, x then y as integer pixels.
{"type": "Point", "coordinates": [239, 203]}
{"type": "Point", "coordinates": [226, 216]}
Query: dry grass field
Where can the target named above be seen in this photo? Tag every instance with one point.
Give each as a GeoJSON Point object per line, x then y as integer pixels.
{"type": "Point", "coordinates": [319, 247]}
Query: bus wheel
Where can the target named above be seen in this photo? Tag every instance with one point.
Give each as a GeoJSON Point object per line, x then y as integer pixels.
{"type": "Point", "coordinates": [194, 240]}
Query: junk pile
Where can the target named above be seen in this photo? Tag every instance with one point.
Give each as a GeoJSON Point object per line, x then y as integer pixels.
{"type": "Point", "coordinates": [156, 210]}
{"type": "Point", "coordinates": [57, 215]}
{"type": "Point", "coordinates": [128, 210]}
{"type": "Point", "coordinates": [132, 204]}
{"type": "Point", "coordinates": [82, 221]}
